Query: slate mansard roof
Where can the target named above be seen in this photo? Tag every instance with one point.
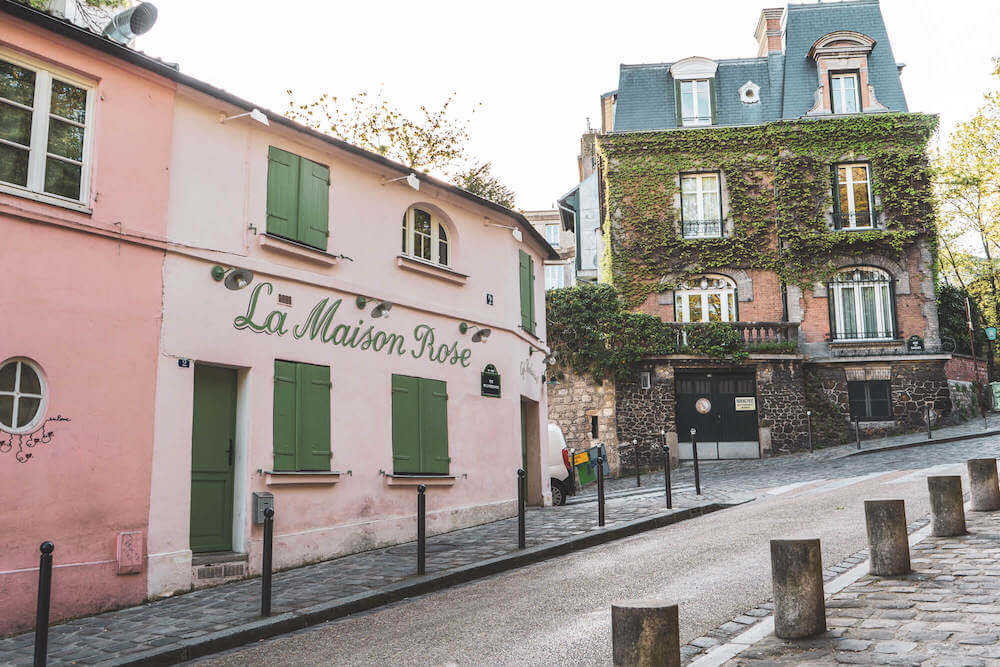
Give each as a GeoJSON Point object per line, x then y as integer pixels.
{"type": "Point", "coordinates": [788, 80]}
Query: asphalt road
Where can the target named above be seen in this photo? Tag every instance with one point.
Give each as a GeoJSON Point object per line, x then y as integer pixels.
{"type": "Point", "coordinates": [558, 612]}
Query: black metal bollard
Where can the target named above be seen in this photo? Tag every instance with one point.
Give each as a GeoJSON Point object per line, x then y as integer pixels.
{"type": "Point", "coordinates": [809, 428]}
{"type": "Point", "coordinates": [928, 412]}
{"type": "Point", "coordinates": [520, 508]}
{"type": "Point", "coordinates": [635, 455]}
{"type": "Point", "coordinates": [857, 430]}
{"type": "Point", "coordinates": [572, 472]}
{"type": "Point", "coordinates": [666, 476]}
{"type": "Point", "coordinates": [267, 566]}
{"type": "Point", "coordinates": [421, 529]}
{"type": "Point", "coordinates": [44, 596]}
{"type": "Point", "coordinates": [694, 455]}
{"type": "Point", "coordinates": [600, 491]}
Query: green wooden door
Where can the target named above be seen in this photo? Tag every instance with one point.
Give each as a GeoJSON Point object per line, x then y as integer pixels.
{"type": "Point", "coordinates": [212, 450]}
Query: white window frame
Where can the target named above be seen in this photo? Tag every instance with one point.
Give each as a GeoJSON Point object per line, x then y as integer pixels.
{"type": "Point", "coordinates": [699, 196]}
{"type": "Point", "coordinates": [556, 270]}
{"type": "Point", "coordinates": [882, 285]}
{"type": "Point", "coordinates": [852, 211]}
{"type": "Point", "coordinates": [549, 227]}
{"type": "Point", "coordinates": [436, 227]}
{"type": "Point", "coordinates": [683, 297]}
{"type": "Point", "coordinates": [842, 94]}
{"type": "Point", "coordinates": [645, 380]}
{"type": "Point", "coordinates": [43, 403]}
{"type": "Point", "coordinates": [38, 152]}
{"type": "Point", "coordinates": [699, 119]}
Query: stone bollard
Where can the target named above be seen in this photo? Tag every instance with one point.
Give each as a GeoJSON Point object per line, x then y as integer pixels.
{"type": "Point", "coordinates": [888, 542]}
{"type": "Point", "coordinates": [797, 580]}
{"type": "Point", "coordinates": [983, 485]}
{"type": "Point", "coordinates": [645, 632]}
{"type": "Point", "coordinates": [947, 513]}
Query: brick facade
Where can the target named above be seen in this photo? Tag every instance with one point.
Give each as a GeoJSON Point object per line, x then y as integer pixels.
{"type": "Point", "coordinates": [963, 368]}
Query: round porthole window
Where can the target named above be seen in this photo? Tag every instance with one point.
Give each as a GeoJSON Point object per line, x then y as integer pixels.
{"type": "Point", "coordinates": [22, 395]}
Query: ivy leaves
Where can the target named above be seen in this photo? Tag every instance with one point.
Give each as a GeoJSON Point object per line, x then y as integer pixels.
{"type": "Point", "coordinates": [778, 178]}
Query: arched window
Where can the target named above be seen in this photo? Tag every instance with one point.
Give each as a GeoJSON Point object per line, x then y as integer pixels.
{"type": "Point", "coordinates": [22, 395]}
{"type": "Point", "coordinates": [861, 305]}
{"type": "Point", "coordinates": [424, 237]}
{"type": "Point", "coordinates": [706, 299]}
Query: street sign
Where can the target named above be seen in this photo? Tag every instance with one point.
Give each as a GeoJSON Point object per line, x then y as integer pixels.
{"type": "Point", "coordinates": [703, 405]}
{"type": "Point", "coordinates": [991, 333]}
{"type": "Point", "coordinates": [915, 344]}
{"type": "Point", "coordinates": [490, 381]}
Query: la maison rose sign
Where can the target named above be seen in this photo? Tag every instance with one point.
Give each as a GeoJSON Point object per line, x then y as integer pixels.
{"type": "Point", "coordinates": [320, 325]}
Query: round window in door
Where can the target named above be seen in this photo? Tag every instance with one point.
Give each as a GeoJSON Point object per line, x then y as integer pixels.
{"type": "Point", "coordinates": [22, 395]}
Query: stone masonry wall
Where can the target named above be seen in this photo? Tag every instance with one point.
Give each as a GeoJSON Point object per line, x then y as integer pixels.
{"type": "Point", "coordinates": [572, 404]}
{"type": "Point", "coordinates": [643, 414]}
{"type": "Point", "coordinates": [781, 408]}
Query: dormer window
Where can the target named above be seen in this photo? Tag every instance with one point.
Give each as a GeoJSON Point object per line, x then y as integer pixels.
{"type": "Point", "coordinates": [694, 91]}
{"type": "Point", "coordinates": [845, 92]}
{"type": "Point", "coordinates": [425, 237]}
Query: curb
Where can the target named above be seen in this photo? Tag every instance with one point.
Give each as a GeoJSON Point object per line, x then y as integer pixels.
{"type": "Point", "coordinates": [920, 443]}
{"type": "Point", "coordinates": [290, 621]}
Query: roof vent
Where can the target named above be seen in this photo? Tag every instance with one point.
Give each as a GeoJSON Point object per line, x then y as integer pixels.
{"type": "Point", "coordinates": [137, 20]}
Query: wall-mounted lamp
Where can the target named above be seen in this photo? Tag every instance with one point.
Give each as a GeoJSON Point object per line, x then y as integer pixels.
{"type": "Point", "coordinates": [235, 279]}
{"type": "Point", "coordinates": [381, 310]}
{"type": "Point", "coordinates": [480, 336]}
{"type": "Point", "coordinates": [411, 180]}
{"type": "Point", "coordinates": [515, 232]}
{"type": "Point", "coordinates": [255, 114]}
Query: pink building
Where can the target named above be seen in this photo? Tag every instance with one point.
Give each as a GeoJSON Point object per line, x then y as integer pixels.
{"type": "Point", "coordinates": [242, 311]}
{"type": "Point", "coordinates": [84, 151]}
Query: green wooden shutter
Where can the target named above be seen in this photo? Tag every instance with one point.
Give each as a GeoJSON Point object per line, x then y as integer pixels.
{"type": "Point", "coordinates": [713, 101]}
{"type": "Point", "coordinates": [314, 204]}
{"type": "Point", "coordinates": [405, 424]}
{"type": "Point", "coordinates": [282, 193]}
{"type": "Point", "coordinates": [434, 427]}
{"type": "Point", "coordinates": [313, 443]}
{"type": "Point", "coordinates": [835, 186]}
{"type": "Point", "coordinates": [526, 271]}
{"type": "Point", "coordinates": [285, 420]}
{"type": "Point", "coordinates": [531, 292]}
{"type": "Point", "coordinates": [678, 104]}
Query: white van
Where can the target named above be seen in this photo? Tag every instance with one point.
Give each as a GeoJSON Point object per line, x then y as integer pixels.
{"type": "Point", "coordinates": [558, 465]}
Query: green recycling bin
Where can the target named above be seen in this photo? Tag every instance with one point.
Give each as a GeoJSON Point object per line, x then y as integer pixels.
{"type": "Point", "coordinates": [585, 473]}
{"type": "Point", "coordinates": [995, 389]}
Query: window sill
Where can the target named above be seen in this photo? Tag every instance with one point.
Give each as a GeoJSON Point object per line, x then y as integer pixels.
{"type": "Point", "coordinates": [289, 478]}
{"type": "Point", "coordinates": [414, 480]}
{"type": "Point", "coordinates": [45, 198]}
{"type": "Point", "coordinates": [843, 342]}
{"type": "Point", "coordinates": [296, 250]}
{"type": "Point", "coordinates": [700, 238]}
{"type": "Point", "coordinates": [432, 270]}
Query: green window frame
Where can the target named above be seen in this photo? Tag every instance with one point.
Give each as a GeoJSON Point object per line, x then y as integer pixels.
{"type": "Point", "coordinates": [419, 426]}
{"type": "Point", "coordinates": [526, 272]}
{"type": "Point", "coordinates": [298, 199]}
{"type": "Point", "coordinates": [693, 87]}
{"type": "Point", "coordinates": [301, 417]}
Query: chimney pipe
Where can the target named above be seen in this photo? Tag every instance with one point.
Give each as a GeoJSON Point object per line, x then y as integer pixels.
{"type": "Point", "coordinates": [769, 33]}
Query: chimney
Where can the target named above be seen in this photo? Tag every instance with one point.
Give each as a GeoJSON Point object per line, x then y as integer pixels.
{"type": "Point", "coordinates": [769, 32]}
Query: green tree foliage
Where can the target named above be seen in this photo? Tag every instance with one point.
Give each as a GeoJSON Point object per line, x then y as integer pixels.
{"type": "Point", "coordinates": [953, 323]}
{"type": "Point", "coordinates": [479, 180]}
{"type": "Point", "coordinates": [592, 333]}
{"type": "Point", "coordinates": [433, 139]}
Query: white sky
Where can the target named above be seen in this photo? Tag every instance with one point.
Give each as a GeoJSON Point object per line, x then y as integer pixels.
{"type": "Point", "coordinates": [538, 68]}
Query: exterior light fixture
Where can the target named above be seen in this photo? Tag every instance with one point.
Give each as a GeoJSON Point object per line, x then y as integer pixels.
{"type": "Point", "coordinates": [481, 335]}
{"type": "Point", "coordinates": [515, 232]}
{"type": "Point", "coordinates": [254, 114]}
{"type": "Point", "coordinates": [381, 310]}
{"type": "Point", "coordinates": [411, 180]}
{"type": "Point", "coordinates": [234, 279]}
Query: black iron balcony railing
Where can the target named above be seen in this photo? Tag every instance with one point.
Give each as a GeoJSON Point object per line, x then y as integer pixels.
{"type": "Point", "coordinates": [702, 229]}
{"type": "Point", "coordinates": [861, 219]}
{"type": "Point", "coordinates": [873, 335]}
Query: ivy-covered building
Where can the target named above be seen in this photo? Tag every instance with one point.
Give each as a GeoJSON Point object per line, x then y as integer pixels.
{"type": "Point", "coordinates": [786, 197]}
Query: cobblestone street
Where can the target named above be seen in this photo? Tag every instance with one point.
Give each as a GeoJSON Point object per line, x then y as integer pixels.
{"type": "Point", "coordinates": [946, 613]}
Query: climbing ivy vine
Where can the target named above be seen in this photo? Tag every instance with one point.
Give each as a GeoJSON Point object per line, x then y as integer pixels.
{"type": "Point", "coordinates": [780, 195]}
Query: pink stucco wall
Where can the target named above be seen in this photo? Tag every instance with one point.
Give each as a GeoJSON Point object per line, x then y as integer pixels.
{"type": "Point", "coordinates": [83, 300]}
{"type": "Point", "coordinates": [212, 218]}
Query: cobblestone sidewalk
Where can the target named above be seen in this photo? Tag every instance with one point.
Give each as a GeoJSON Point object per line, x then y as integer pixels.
{"type": "Point", "coordinates": [128, 631]}
{"type": "Point", "coordinates": [946, 613]}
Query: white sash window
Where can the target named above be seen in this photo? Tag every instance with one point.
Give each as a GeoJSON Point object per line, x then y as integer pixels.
{"type": "Point", "coordinates": [862, 304]}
